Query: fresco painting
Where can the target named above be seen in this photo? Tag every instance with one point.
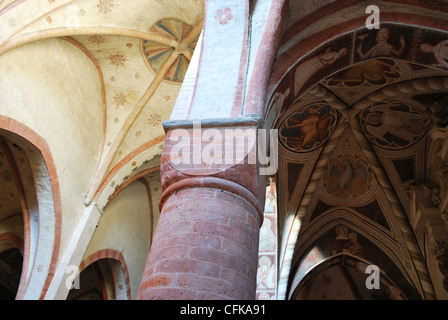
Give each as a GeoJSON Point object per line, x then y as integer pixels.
{"type": "Point", "coordinates": [308, 129]}
{"type": "Point", "coordinates": [394, 125]}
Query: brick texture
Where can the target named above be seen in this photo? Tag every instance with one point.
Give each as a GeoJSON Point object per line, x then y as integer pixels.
{"type": "Point", "coordinates": [205, 247]}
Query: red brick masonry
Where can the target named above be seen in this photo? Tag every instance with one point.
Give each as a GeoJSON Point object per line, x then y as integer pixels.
{"type": "Point", "coordinates": [206, 242]}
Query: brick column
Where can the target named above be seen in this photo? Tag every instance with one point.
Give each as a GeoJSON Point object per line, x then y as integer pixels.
{"type": "Point", "coordinates": [206, 242]}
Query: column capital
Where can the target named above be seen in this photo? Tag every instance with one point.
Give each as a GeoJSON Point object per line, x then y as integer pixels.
{"type": "Point", "coordinates": [253, 120]}
{"type": "Point", "coordinates": [214, 153]}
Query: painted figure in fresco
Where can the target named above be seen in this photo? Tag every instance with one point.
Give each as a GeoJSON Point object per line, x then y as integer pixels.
{"type": "Point", "coordinates": [404, 125]}
{"type": "Point", "coordinates": [311, 129]}
{"type": "Point", "coordinates": [266, 273]}
{"type": "Point", "coordinates": [346, 242]}
{"type": "Point", "coordinates": [339, 241]}
{"type": "Point", "coordinates": [354, 247]}
{"type": "Point", "coordinates": [267, 237]}
{"type": "Point", "coordinates": [439, 112]}
{"type": "Point", "coordinates": [279, 99]}
{"type": "Point", "coordinates": [310, 67]}
{"type": "Point", "coordinates": [373, 71]}
{"type": "Point", "coordinates": [440, 52]}
{"type": "Point", "coordinates": [348, 177]}
{"type": "Point", "coordinates": [382, 46]}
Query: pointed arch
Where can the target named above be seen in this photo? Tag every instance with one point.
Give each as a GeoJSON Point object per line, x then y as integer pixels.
{"type": "Point", "coordinates": [43, 234]}
{"type": "Point", "coordinates": [315, 243]}
{"type": "Point", "coordinates": [119, 270]}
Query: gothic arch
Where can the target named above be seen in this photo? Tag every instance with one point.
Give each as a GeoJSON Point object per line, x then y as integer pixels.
{"type": "Point", "coordinates": [115, 264]}
{"type": "Point", "coordinates": [376, 246]}
{"type": "Point", "coordinates": [332, 67]}
{"type": "Point", "coordinates": [351, 281]}
{"type": "Point", "coordinates": [292, 51]}
{"type": "Point", "coordinates": [41, 206]}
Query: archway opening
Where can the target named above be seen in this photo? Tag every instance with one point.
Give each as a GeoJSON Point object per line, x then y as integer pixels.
{"type": "Point", "coordinates": [11, 262]}
{"type": "Point", "coordinates": [29, 200]}
{"type": "Point", "coordinates": [12, 226]}
{"type": "Point", "coordinates": [343, 277]}
{"type": "Point", "coordinates": [104, 279]}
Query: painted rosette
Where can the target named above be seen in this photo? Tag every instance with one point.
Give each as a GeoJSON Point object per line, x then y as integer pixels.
{"type": "Point", "coordinates": [156, 53]}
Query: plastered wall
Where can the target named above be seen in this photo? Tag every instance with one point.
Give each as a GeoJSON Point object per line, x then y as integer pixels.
{"type": "Point", "coordinates": [53, 88]}
{"type": "Point", "coordinates": [125, 226]}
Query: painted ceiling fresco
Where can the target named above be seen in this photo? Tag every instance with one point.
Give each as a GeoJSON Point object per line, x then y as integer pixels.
{"type": "Point", "coordinates": [141, 61]}
{"type": "Point", "coordinates": [354, 119]}
{"type": "Point", "coordinates": [308, 130]}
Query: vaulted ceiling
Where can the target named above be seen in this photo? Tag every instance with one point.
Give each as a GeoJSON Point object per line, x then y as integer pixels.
{"type": "Point", "coordinates": [354, 124]}
{"type": "Point", "coordinates": [141, 50]}
{"type": "Point", "coordinates": [92, 80]}
{"type": "Point", "coordinates": [354, 120]}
